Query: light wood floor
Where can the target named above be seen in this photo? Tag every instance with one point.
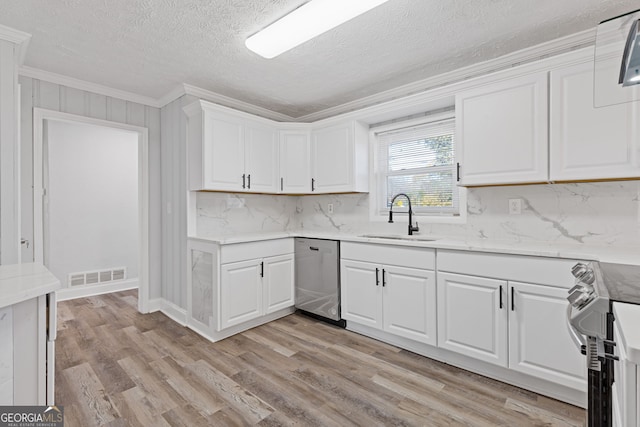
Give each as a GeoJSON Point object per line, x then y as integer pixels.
{"type": "Point", "coordinates": [116, 367]}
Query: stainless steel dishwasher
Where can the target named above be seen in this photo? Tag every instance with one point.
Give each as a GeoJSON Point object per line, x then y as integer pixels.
{"type": "Point", "coordinates": [318, 279]}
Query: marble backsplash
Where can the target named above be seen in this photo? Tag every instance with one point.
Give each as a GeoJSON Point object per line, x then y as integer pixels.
{"type": "Point", "coordinates": [226, 214]}
{"type": "Point", "coordinates": [605, 213]}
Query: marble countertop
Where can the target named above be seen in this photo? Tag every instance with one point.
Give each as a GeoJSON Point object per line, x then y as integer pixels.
{"type": "Point", "coordinates": [628, 319]}
{"type": "Point", "coordinates": [21, 282]}
{"type": "Point", "coordinates": [611, 254]}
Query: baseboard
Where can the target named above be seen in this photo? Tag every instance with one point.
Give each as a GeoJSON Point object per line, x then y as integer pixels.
{"type": "Point", "coordinates": [174, 312]}
{"type": "Point", "coordinates": [537, 385]}
{"type": "Point", "coordinates": [236, 329]}
{"type": "Point", "coordinates": [154, 305]}
{"type": "Point", "coordinates": [93, 290]}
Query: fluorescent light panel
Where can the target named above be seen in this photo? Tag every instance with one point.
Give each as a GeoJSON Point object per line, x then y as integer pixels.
{"type": "Point", "coordinates": [306, 22]}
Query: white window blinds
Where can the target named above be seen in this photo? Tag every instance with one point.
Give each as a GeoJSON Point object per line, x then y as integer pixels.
{"type": "Point", "coordinates": [419, 161]}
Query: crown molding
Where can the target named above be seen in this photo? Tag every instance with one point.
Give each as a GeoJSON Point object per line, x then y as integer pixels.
{"type": "Point", "coordinates": [544, 50]}
{"type": "Point", "coordinates": [236, 104]}
{"type": "Point", "coordinates": [51, 77]}
{"type": "Point", "coordinates": [171, 96]}
{"type": "Point", "coordinates": [20, 38]}
{"type": "Point", "coordinates": [540, 51]}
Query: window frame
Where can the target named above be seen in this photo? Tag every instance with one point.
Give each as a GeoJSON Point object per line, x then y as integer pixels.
{"type": "Point", "coordinates": [377, 177]}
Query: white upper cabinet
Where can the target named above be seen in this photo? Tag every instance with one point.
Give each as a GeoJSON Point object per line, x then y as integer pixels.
{"type": "Point", "coordinates": [222, 153]}
{"type": "Point", "coordinates": [261, 158]}
{"type": "Point", "coordinates": [501, 132]}
{"type": "Point", "coordinates": [234, 151]}
{"type": "Point", "coordinates": [340, 158]}
{"type": "Point", "coordinates": [295, 161]}
{"type": "Point", "coordinates": [229, 152]}
{"type": "Point", "coordinates": [586, 142]}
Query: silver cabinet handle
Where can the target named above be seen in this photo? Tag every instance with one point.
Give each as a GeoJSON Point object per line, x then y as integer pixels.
{"type": "Point", "coordinates": [24, 241]}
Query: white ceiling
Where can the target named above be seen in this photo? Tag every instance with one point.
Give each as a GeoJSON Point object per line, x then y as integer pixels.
{"type": "Point", "coordinates": [149, 47]}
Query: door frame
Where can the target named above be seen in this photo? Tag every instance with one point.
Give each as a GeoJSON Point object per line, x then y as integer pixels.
{"type": "Point", "coordinates": [40, 115]}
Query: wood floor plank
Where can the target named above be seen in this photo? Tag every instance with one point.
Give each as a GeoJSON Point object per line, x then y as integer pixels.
{"type": "Point", "coordinates": [161, 397]}
{"type": "Point", "coordinates": [253, 408]}
{"type": "Point", "coordinates": [542, 416]}
{"type": "Point", "coordinates": [89, 392]}
{"type": "Point", "coordinates": [272, 344]}
{"type": "Point", "coordinates": [185, 416]}
{"type": "Point", "coordinates": [290, 404]}
{"type": "Point", "coordinates": [116, 367]}
{"type": "Point", "coordinates": [204, 401]}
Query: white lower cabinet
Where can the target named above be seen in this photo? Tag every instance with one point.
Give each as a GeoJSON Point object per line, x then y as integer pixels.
{"type": "Point", "coordinates": [516, 325]}
{"type": "Point", "coordinates": [253, 288]}
{"type": "Point", "coordinates": [409, 303]}
{"type": "Point", "coordinates": [539, 341]}
{"type": "Point", "coordinates": [506, 322]}
{"type": "Point", "coordinates": [278, 283]}
{"type": "Point", "coordinates": [399, 299]}
{"type": "Point", "coordinates": [232, 287]}
{"type": "Point", "coordinates": [472, 317]}
{"type": "Point", "coordinates": [626, 386]}
{"type": "Point", "coordinates": [240, 292]}
{"type": "Point", "coordinates": [361, 293]}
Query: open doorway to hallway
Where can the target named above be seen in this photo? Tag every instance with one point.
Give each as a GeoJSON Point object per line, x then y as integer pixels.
{"type": "Point", "coordinates": [91, 204]}
{"type": "Point", "coordinates": [91, 210]}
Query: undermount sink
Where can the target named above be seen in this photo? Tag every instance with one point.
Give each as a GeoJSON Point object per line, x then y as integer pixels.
{"type": "Point", "coordinates": [397, 237]}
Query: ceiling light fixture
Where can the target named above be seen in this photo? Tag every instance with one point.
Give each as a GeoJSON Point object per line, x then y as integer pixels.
{"type": "Point", "coordinates": [306, 22]}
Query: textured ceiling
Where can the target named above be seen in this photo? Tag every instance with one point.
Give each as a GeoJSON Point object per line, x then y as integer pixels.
{"type": "Point", "coordinates": [148, 47]}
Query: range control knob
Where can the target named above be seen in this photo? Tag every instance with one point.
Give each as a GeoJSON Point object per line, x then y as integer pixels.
{"type": "Point", "coordinates": [583, 273]}
{"type": "Point", "coordinates": [578, 270]}
{"type": "Point", "coordinates": [588, 277]}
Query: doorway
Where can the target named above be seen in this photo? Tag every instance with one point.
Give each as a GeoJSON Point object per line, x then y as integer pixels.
{"type": "Point", "coordinates": [91, 201]}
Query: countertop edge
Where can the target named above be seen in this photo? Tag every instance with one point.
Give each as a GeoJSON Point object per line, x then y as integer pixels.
{"type": "Point", "coordinates": [11, 275]}
{"type": "Point", "coordinates": [587, 253]}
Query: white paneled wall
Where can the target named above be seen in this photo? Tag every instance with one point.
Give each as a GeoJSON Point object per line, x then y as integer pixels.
{"type": "Point", "coordinates": [174, 201]}
{"type": "Point", "coordinates": [41, 94]}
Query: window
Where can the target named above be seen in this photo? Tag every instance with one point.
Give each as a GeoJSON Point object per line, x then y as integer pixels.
{"type": "Point", "coordinates": [420, 162]}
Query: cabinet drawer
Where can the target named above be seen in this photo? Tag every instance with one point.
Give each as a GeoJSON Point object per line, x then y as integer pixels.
{"type": "Point", "coordinates": [539, 270]}
{"type": "Point", "coordinates": [423, 258]}
{"type": "Point", "coordinates": [266, 248]}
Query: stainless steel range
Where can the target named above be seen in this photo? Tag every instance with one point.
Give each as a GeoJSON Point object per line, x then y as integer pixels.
{"type": "Point", "coordinates": [590, 318]}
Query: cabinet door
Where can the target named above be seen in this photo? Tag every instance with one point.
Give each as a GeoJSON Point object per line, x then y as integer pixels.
{"type": "Point", "coordinates": [295, 162]}
{"type": "Point", "coordinates": [278, 283]}
{"type": "Point", "coordinates": [588, 142]}
{"type": "Point", "coordinates": [240, 292]}
{"type": "Point", "coordinates": [409, 303]}
{"type": "Point", "coordinates": [626, 388]}
{"type": "Point", "coordinates": [539, 340]}
{"type": "Point", "coordinates": [223, 152]}
{"type": "Point", "coordinates": [361, 292]}
{"type": "Point", "coordinates": [200, 281]}
{"type": "Point", "coordinates": [261, 158]}
{"type": "Point", "coordinates": [471, 320]}
{"type": "Point", "coordinates": [501, 132]}
{"type": "Point", "coordinates": [332, 159]}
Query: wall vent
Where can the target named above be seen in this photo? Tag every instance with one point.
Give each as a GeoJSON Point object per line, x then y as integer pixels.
{"type": "Point", "coordinates": [99, 276]}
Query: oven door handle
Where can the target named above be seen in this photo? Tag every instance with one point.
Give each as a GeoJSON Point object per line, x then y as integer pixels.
{"type": "Point", "coordinates": [576, 336]}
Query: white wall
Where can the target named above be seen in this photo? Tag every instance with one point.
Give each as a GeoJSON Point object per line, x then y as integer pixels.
{"type": "Point", "coordinates": [93, 199]}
